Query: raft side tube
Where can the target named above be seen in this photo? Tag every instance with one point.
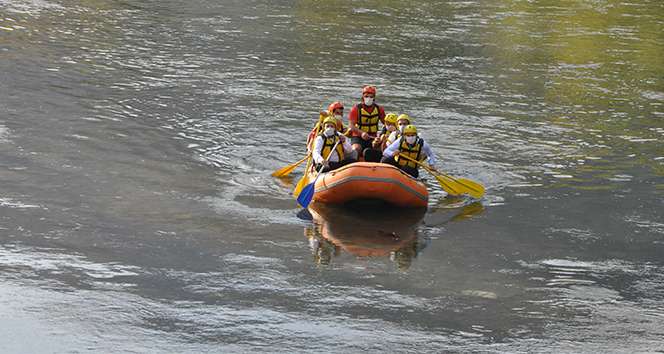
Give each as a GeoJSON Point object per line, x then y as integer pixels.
{"type": "Point", "coordinates": [370, 180]}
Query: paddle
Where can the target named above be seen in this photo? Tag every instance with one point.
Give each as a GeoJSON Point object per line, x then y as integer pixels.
{"type": "Point", "coordinates": [285, 171]}
{"type": "Point", "coordinates": [308, 191]}
{"type": "Point", "coordinates": [451, 185]}
{"type": "Point", "coordinates": [473, 188]}
{"type": "Point", "coordinates": [304, 180]}
{"type": "Point", "coordinates": [288, 169]}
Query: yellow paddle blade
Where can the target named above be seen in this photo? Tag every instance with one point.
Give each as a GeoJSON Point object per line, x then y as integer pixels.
{"type": "Point", "coordinates": [300, 184]}
{"type": "Point", "coordinates": [285, 171]}
{"type": "Point", "coordinates": [464, 185]}
{"type": "Point", "coordinates": [451, 185]}
{"type": "Point", "coordinates": [303, 181]}
{"type": "Point", "coordinates": [473, 188]}
{"type": "Point", "coordinates": [461, 185]}
{"type": "Point", "coordinates": [448, 186]}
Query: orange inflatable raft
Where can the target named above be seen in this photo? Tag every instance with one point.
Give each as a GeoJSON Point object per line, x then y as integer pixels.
{"type": "Point", "coordinates": [370, 180]}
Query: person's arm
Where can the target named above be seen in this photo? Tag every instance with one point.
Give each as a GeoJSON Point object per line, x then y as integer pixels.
{"type": "Point", "coordinates": [381, 115]}
{"type": "Point", "coordinates": [392, 149]}
{"type": "Point", "coordinates": [311, 137]}
{"type": "Point", "coordinates": [426, 148]}
{"type": "Point", "coordinates": [391, 138]}
{"type": "Point", "coordinates": [318, 147]}
{"type": "Point", "coordinates": [353, 124]}
{"type": "Point", "coordinates": [378, 141]}
{"type": "Point", "coordinates": [346, 144]}
{"type": "Point", "coordinates": [386, 140]}
{"type": "Point", "coordinates": [352, 120]}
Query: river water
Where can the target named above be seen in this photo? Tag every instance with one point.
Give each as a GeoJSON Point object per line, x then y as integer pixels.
{"type": "Point", "coordinates": [138, 214]}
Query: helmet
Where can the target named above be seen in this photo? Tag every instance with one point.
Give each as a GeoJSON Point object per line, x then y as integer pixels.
{"type": "Point", "coordinates": [369, 89]}
{"type": "Point", "coordinates": [330, 120]}
{"type": "Point", "coordinates": [410, 129]}
{"type": "Point", "coordinates": [391, 118]}
{"type": "Point", "coordinates": [334, 105]}
{"type": "Point", "coordinates": [405, 117]}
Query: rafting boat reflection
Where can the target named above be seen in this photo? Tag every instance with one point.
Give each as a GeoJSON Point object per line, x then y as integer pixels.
{"type": "Point", "coordinates": [377, 232]}
{"type": "Point", "coordinates": [365, 232]}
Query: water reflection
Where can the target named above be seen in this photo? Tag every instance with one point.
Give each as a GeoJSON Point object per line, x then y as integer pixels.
{"type": "Point", "coordinates": [557, 107]}
{"type": "Point", "coordinates": [365, 231]}
{"type": "Point", "coordinates": [452, 209]}
{"type": "Point", "coordinates": [369, 231]}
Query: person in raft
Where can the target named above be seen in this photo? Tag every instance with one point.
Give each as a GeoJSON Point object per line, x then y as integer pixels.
{"type": "Point", "coordinates": [330, 147]}
{"type": "Point", "coordinates": [412, 146]}
{"type": "Point", "coordinates": [363, 120]}
{"type": "Point", "coordinates": [336, 110]}
{"type": "Point", "coordinates": [390, 126]}
{"type": "Point", "coordinates": [402, 121]}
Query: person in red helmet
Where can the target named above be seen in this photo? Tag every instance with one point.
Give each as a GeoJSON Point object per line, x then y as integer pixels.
{"type": "Point", "coordinates": [335, 110]}
{"type": "Point", "coordinates": [363, 119]}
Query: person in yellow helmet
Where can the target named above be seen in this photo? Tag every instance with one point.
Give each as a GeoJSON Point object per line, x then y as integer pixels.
{"type": "Point", "coordinates": [389, 127]}
{"type": "Point", "coordinates": [331, 150]}
{"type": "Point", "coordinates": [390, 124]}
{"type": "Point", "coordinates": [402, 121]}
{"type": "Point", "coordinates": [413, 146]}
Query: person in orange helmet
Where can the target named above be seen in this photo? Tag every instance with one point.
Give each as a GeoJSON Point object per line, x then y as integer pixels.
{"type": "Point", "coordinates": [335, 110]}
{"type": "Point", "coordinates": [364, 118]}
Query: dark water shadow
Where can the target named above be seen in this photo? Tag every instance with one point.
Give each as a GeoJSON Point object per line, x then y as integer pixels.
{"type": "Point", "coordinates": [364, 229]}
{"type": "Point", "coordinates": [375, 229]}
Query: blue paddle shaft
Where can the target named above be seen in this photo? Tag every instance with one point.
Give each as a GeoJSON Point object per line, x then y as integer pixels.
{"type": "Point", "coordinates": [308, 191]}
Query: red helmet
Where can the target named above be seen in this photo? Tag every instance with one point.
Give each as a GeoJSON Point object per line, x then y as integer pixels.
{"type": "Point", "coordinates": [369, 89]}
{"type": "Point", "coordinates": [335, 105]}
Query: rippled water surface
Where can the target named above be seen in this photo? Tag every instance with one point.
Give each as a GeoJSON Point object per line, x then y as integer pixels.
{"type": "Point", "coordinates": [138, 214]}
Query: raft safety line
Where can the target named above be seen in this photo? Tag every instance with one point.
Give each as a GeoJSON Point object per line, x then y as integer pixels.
{"type": "Point", "coordinates": [372, 179]}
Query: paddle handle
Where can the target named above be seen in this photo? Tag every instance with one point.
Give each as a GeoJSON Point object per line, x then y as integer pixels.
{"type": "Point", "coordinates": [472, 188]}
{"type": "Point", "coordinates": [426, 166]}
{"type": "Point", "coordinates": [328, 157]}
{"type": "Point", "coordinates": [310, 189]}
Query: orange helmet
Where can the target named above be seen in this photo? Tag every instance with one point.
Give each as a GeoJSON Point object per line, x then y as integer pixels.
{"type": "Point", "coordinates": [369, 89]}
{"type": "Point", "coordinates": [335, 105]}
